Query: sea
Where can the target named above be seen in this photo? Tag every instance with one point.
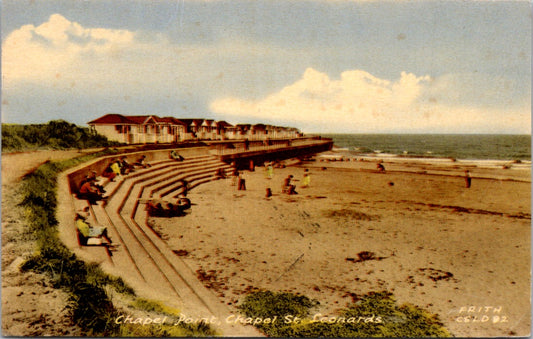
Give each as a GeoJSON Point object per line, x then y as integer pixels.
{"type": "Point", "coordinates": [485, 147]}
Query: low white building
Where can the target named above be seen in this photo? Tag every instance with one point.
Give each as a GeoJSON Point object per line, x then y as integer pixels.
{"type": "Point", "coordinates": [143, 129]}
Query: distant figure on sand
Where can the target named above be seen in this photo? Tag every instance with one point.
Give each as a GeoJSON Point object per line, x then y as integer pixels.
{"type": "Point", "coordinates": [269, 170]}
{"type": "Point", "coordinates": [242, 182]}
{"type": "Point", "coordinates": [183, 203]}
{"type": "Point", "coordinates": [288, 187]}
{"type": "Point", "coordinates": [268, 192]}
{"type": "Point", "coordinates": [306, 181]}
{"type": "Point", "coordinates": [468, 179]}
{"type": "Point", "coordinates": [220, 174]}
{"type": "Point", "coordinates": [235, 176]}
{"type": "Point", "coordinates": [380, 167]}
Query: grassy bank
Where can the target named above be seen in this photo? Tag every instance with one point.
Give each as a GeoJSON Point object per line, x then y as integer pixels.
{"type": "Point", "coordinates": [371, 315]}
{"type": "Point", "coordinates": [56, 134]}
{"type": "Point", "coordinates": [89, 305]}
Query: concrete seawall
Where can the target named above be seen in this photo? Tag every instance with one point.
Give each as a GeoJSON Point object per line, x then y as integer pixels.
{"type": "Point", "coordinates": [142, 259]}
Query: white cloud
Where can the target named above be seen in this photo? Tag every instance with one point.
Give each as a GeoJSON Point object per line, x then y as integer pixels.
{"type": "Point", "coordinates": [63, 54]}
{"type": "Point", "coordinates": [361, 102]}
{"type": "Point", "coordinates": [55, 48]}
{"type": "Point", "coordinates": [106, 64]}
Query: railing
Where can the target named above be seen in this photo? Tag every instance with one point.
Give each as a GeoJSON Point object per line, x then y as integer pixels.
{"type": "Point", "coordinates": [265, 145]}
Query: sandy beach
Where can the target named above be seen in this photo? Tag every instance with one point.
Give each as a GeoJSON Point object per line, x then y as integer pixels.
{"type": "Point", "coordinates": [461, 253]}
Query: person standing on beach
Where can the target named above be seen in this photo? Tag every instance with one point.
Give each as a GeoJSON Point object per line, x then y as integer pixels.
{"type": "Point", "coordinates": [242, 182]}
{"type": "Point", "coordinates": [306, 181]}
{"type": "Point", "coordinates": [270, 171]}
{"type": "Point", "coordinates": [235, 176]}
{"type": "Point", "coordinates": [468, 179]}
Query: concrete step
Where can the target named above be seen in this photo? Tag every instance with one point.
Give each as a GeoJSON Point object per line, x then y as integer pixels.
{"type": "Point", "coordinates": [192, 179]}
{"type": "Point", "coordinates": [141, 251]}
{"type": "Point", "coordinates": [138, 187]}
{"type": "Point", "coordinates": [112, 187]}
{"type": "Point", "coordinates": [123, 191]}
{"type": "Point", "coordinates": [164, 262]}
{"type": "Point", "coordinates": [184, 175]}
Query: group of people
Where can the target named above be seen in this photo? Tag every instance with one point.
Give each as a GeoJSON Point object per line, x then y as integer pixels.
{"type": "Point", "coordinates": [90, 190]}
{"type": "Point", "coordinates": [239, 180]}
{"type": "Point", "coordinates": [289, 188]}
{"type": "Point", "coordinates": [122, 167]}
{"type": "Point", "coordinates": [166, 209]}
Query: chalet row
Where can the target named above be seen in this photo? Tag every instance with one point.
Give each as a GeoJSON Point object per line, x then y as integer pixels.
{"type": "Point", "coordinates": [141, 129]}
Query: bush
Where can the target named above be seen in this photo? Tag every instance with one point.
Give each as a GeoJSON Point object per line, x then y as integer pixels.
{"type": "Point", "coordinates": [373, 315]}
{"type": "Point", "coordinates": [56, 134]}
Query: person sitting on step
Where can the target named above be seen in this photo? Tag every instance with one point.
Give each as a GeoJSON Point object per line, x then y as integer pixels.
{"type": "Point", "coordinates": [91, 235]}
{"type": "Point", "coordinates": [90, 193]}
{"type": "Point", "coordinates": [141, 162]}
{"type": "Point", "coordinates": [176, 156]}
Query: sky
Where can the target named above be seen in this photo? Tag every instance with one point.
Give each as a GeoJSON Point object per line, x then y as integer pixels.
{"type": "Point", "coordinates": [323, 66]}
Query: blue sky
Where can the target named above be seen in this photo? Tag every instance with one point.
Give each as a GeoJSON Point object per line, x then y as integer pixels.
{"type": "Point", "coordinates": [323, 66]}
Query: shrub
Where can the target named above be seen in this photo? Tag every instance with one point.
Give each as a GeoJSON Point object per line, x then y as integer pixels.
{"type": "Point", "coordinates": [375, 314]}
{"type": "Point", "coordinates": [56, 134]}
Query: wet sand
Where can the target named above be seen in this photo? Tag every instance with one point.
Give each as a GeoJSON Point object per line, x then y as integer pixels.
{"type": "Point", "coordinates": [434, 243]}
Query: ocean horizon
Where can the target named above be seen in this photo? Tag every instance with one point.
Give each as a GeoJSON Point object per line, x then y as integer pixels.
{"type": "Point", "coordinates": [509, 147]}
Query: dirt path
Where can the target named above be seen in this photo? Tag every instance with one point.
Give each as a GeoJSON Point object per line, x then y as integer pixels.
{"type": "Point", "coordinates": [30, 305]}
{"type": "Point", "coordinates": [16, 165]}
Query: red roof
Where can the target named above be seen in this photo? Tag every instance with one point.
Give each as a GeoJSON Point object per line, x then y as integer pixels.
{"type": "Point", "coordinates": [118, 119]}
{"type": "Point", "coordinates": [223, 124]}
{"type": "Point", "coordinates": [188, 122]}
{"type": "Point", "coordinates": [172, 120]}
{"type": "Point", "coordinates": [139, 119]}
{"type": "Point", "coordinates": [113, 119]}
